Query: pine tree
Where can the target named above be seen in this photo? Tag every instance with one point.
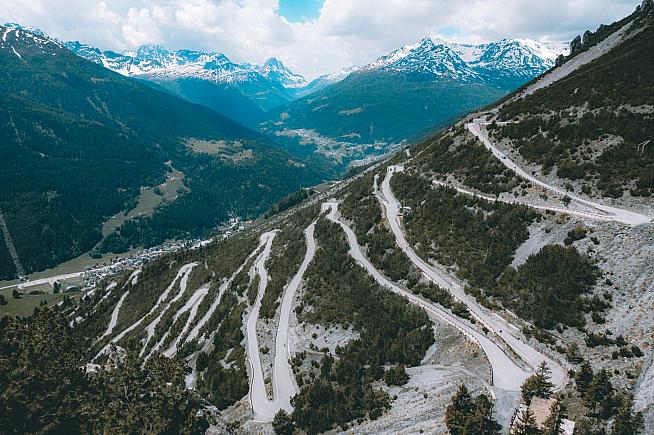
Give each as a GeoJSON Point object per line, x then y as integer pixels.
{"type": "Point", "coordinates": [459, 411]}
{"type": "Point", "coordinates": [396, 375]}
{"type": "Point", "coordinates": [526, 424]}
{"type": "Point", "coordinates": [627, 422]}
{"type": "Point", "coordinates": [584, 377]}
{"type": "Point", "coordinates": [553, 422]}
{"type": "Point", "coordinates": [482, 422]}
{"type": "Point", "coordinates": [600, 392]}
{"type": "Point", "coordinates": [282, 423]}
{"type": "Point", "coordinates": [538, 384]}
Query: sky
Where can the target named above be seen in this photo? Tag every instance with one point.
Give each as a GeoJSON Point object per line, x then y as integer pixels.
{"type": "Point", "coordinates": [312, 37]}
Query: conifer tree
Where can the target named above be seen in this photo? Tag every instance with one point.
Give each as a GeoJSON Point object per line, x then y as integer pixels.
{"type": "Point", "coordinates": [526, 424]}
{"type": "Point", "coordinates": [538, 384]}
{"type": "Point", "coordinates": [584, 377]}
{"type": "Point", "coordinates": [282, 423]}
{"type": "Point", "coordinates": [600, 392]}
{"type": "Point", "coordinates": [459, 411]}
{"type": "Point", "coordinates": [553, 421]}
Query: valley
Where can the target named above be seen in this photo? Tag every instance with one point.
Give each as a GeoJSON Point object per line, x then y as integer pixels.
{"type": "Point", "coordinates": [452, 238]}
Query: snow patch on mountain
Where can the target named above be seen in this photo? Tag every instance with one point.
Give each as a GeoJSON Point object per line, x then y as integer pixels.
{"type": "Point", "coordinates": [436, 57]}
{"type": "Point", "coordinates": [275, 71]}
{"type": "Point", "coordinates": [154, 61]}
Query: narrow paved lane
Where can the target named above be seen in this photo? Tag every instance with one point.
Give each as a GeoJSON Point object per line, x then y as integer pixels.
{"type": "Point", "coordinates": [284, 381]}
{"type": "Point", "coordinates": [162, 298]}
{"type": "Point", "coordinates": [615, 214]}
{"type": "Point", "coordinates": [221, 290]}
{"type": "Point", "coordinates": [494, 323]}
{"type": "Point", "coordinates": [584, 214]}
{"type": "Point", "coordinates": [263, 409]}
{"type": "Point", "coordinates": [9, 243]}
{"type": "Point", "coordinates": [284, 386]}
{"type": "Point", "coordinates": [152, 327]}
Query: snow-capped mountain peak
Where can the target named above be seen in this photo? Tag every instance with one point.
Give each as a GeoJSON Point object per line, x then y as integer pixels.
{"type": "Point", "coordinates": [12, 34]}
{"type": "Point", "coordinates": [511, 57]}
{"type": "Point", "coordinates": [157, 61]}
{"type": "Point", "coordinates": [519, 56]}
{"type": "Point", "coordinates": [274, 70]}
{"type": "Point", "coordinates": [428, 57]}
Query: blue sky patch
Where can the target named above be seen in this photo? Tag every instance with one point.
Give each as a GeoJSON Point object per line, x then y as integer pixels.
{"type": "Point", "coordinates": [297, 11]}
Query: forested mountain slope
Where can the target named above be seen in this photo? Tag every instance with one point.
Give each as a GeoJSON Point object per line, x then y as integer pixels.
{"type": "Point", "coordinates": [592, 128]}
{"type": "Point", "coordinates": [240, 91]}
{"type": "Point", "coordinates": [369, 304]}
{"type": "Point", "coordinates": [428, 84]}
{"type": "Point", "coordinates": [79, 141]}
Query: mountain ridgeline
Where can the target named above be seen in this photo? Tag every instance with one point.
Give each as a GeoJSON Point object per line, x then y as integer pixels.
{"type": "Point", "coordinates": [243, 92]}
{"type": "Point", "coordinates": [453, 287]}
{"type": "Point", "coordinates": [429, 85]}
{"type": "Point", "coordinates": [342, 117]}
{"type": "Point", "coordinates": [80, 141]}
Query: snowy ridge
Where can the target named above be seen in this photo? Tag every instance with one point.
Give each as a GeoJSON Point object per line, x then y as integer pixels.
{"type": "Point", "coordinates": [275, 71]}
{"type": "Point", "coordinates": [436, 57]}
{"type": "Point", "coordinates": [16, 34]}
{"type": "Point", "coordinates": [156, 61]}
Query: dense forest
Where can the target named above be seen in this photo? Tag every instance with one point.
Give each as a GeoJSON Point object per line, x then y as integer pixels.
{"type": "Point", "coordinates": [548, 288]}
{"type": "Point", "coordinates": [43, 389]}
{"type": "Point", "coordinates": [88, 139]}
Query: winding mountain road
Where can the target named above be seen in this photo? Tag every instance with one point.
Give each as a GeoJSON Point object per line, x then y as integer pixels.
{"type": "Point", "coordinates": [612, 213]}
{"type": "Point", "coordinates": [506, 374]}
{"type": "Point", "coordinates": [583, 214]}
{"type": "Point", "coordinates": [221, 291]}
{"type": "Point", "coordinates": [491, 321]}
{"type": "Point", "coordinates": [184, 270]}
{"type": "Point", "coordinates": [284, 386]}
{"type": "Point", "coordinates": [263, 409]}
{"type": "Point", "coordinates": [152, 327]}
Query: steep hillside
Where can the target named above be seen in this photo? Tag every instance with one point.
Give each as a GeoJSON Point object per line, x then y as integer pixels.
{"type": "Point", "coordinates": [593, 128]}
{"type": "Point", "coordinates": [428, 85]}
{"type": "Point", "coordinates": [242, 92]}
{"type": "Point", "coordinates": [435, 291]}
{"type": "Point", "coordinates": [79, 142]}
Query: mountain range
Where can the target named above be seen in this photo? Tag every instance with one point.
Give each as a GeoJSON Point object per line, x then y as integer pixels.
{"type": "Point", "coordinates": [241, 91]}
{"type": "Point", "coordinates": [428, 84]}
{"type": "Point", "coordinates": [495, 277]}
{"type": "Point", "coordinates": [81, 144]}
{"type": "Point", "coordinates": [340, 116]}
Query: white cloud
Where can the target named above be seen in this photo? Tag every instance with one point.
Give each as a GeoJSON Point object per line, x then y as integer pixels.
{"type": "Point", "coordinates": [346, 32]}
{"type": "Point", "coordinates": [141, 28]}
